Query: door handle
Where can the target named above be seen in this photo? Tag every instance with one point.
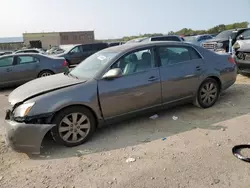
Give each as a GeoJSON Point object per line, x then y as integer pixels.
{"type": "Point", "coordinates": [8, 69]}
{"type": "Point", "coordinates": [198, 68]}
{"type": "Point", "coordinates": [152, 78]}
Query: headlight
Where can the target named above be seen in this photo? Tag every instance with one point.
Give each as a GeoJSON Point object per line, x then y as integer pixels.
{"type": "Point", "coordinates": [23, 109]}
{"type": "Point", "coordinates": [219, 45]}
{"type": "Point", "coordinates": [236, 45]}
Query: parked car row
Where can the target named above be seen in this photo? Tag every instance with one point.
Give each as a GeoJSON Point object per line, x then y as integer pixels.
{"type": "Point", "coordinates": [153, 75]}
{"type": "Point", "coordinates": [18, 68]}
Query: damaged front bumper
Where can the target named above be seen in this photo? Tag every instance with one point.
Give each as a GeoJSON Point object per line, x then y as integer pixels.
{"type": "Point", "coordinates": [25, 137]}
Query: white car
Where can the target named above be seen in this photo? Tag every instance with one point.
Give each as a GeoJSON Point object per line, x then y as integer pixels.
{"type": "Point", "coordinates": [243, 41]}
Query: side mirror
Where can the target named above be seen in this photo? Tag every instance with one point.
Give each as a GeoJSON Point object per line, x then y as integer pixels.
{"type": "Point", "coordinates": [241, 37]}
{"type": "Point", "coordinates": [113, 73]}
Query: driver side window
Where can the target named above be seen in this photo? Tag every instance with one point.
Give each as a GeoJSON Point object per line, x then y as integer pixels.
{"type": "Point", "coordinates": [135, 62]}
{"type": "Point", "coordinates": [75, 50]}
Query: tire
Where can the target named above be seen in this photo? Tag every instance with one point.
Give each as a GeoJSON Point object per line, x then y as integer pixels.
{"type": "Point", "coordinates": [212, 94]}
{"type": "Point", "coordinates": [73, 134]}
{"type": "Point", "coordinates": [45, 73]}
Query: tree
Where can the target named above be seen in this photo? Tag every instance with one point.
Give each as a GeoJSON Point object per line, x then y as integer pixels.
{"type": "Point", "coordinates": [188, 31]}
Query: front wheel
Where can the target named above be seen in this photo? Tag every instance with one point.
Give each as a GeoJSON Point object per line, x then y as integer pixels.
{"type": "Point", "coordinates": [207, 94]}
{"type": "Point", "coordinates": [74, 126]}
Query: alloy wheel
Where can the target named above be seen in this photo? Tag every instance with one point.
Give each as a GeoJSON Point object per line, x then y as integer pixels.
{"type": "Point", "coordinates": [45, 74]}
{"type": "Point", "coordinates": [74, 127]}
{"type": "Point", "coordinates": [208, 93]}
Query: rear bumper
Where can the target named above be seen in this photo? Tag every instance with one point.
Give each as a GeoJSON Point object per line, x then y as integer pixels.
{"type": "Point", "coordinates": [25, 138]}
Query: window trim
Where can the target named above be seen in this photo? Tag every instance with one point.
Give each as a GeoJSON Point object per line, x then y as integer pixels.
{"type": "Point", "coordinates": [13, 60]}
{"type": "Point", "coordinates": [175, 46]}
{"type": "Point", "coordinates": [132, 51]}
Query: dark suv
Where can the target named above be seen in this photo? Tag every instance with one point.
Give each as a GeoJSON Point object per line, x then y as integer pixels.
{"type": "Point", "coordinates": [221, 41]}
{"type": "Point", "coordinates": [78, 53]}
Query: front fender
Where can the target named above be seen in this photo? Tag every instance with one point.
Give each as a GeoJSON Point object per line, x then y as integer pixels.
{"type": "Point", "coordinates": [83, 94]}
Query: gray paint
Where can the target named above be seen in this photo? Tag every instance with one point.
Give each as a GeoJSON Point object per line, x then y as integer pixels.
{"type": "Point", "coordinates": [116, 98]}
{"type": "Point", "coordinates": [31, 142]}
{"type": "Point", "coordinates": [21, 73]}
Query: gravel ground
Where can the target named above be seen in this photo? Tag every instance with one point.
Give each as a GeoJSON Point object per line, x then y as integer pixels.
{"type": "Point", "coordinates": [191, 151]}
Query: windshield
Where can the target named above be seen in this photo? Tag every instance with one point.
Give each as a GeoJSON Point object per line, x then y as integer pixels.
{"type": "Point", "coordinates": [89, 67]}
{"type": "Point", "coordinates": [191, 39]}
{"type": "Point", "coordinates": [226, 34]}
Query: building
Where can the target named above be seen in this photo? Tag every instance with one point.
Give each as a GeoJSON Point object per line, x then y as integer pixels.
{"type": "Point", "coordinates": [11, 43]}
{"type": "Point", "coordinates": [50, 39]}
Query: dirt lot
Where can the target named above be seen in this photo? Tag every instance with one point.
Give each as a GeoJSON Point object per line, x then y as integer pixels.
{"type": "Point", "coordinates": [192, 151]}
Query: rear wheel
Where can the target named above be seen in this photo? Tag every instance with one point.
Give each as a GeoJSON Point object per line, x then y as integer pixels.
{"type": "Point", "coordinates": [74, 126]}
{"type": "Point", "coordinates": [207, 94]}
{"type": "Point", "coordinates": [45, 73]}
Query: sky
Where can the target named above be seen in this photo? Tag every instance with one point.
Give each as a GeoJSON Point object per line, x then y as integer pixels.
{"type": "Point", "coordinates": [117, 18]}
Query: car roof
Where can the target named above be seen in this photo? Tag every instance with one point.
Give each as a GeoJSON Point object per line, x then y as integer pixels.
{"type": "Point", "coordinates": [165, 36]}
{"type": "Point", "coordinates": [10, 55]}
{"type": "Point", "coordinates": [133, 46]}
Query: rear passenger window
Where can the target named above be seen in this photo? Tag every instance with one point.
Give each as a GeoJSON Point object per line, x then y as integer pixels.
{"type": "Point", "coordinates": [194, 54]}
{"type": "Point", "coordinates": [26, 59]}
{"type": "Point", "coordinates": [173, 55]}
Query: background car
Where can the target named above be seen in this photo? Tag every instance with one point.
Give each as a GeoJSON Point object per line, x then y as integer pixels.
{"type": "Point", "coordinates": [20, 68]}
{"type": "Point", "coordinates": [221, 41]}
{"type": "Point", "coordinates": [197, 39]}
{"type": "Point", "coordinates": [76, 54]}
{"type": "Point", "coordinates": [242, 58]}
{"type": "Point", "coordinates": [5, 53]}
{"type": "Point", "coordinates": [30, 51]}
{"type": "Point", "coordinates": [158, 38]}
{"type": "Point", "coordinates": [54, 50]}
{"type": "Point", "coordinates": [243, 41]}
{"type": "Point", "coordinates": [110, 44]}
{"type": "Point", "coordinates": [164, 38]}
{"type": "Point", "coordinates": [114, 84]}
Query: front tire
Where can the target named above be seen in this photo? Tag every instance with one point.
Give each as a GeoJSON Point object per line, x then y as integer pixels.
{"type": "Point", "coordinates": [207, 94]}
{"type": "Point", "coordinates": [74, 126]}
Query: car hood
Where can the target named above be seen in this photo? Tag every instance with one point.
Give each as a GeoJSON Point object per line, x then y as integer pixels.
{"type": "Point", "coordinates": [216, 40]}
{"type": "Point", "coordinates": [41, 86]}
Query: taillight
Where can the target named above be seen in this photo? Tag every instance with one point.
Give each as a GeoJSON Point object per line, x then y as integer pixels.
{"type": "Point", "coordinates": [65, 63]}
{"type": "Point", "coordinates": [231, 60]}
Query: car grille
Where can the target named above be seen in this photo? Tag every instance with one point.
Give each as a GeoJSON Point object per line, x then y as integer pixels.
{"type": "Point", "coordinates": [209, 46]}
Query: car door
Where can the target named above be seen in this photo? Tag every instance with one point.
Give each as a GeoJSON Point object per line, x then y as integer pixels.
{"type": "Point", "coordinates": [75, 55]}
{"type": "Point", "coordinates": [180, 71]}
{"type": "Point", "coordinates": [88, 50]}
{"type": "Point", "coordinates": [26, 67]}
{"type": "Point", "coordinates": [6, 70]}
{"type": "Point", "coordinates": [138, 88]}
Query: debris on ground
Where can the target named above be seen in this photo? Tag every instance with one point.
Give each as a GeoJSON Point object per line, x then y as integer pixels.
{"type": "Point", "coordinates": [154, 116]}
{"type": "Point", "coordinates": [223, 129]}
{"type": "Point", "coordinates": [129, 160]}
{"type": "Point", "coordinates": [1, 177]}
{"type": "Point", "coordinates": [175, 118]}
{"type": "Point", "coordinates": [216, 181]}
